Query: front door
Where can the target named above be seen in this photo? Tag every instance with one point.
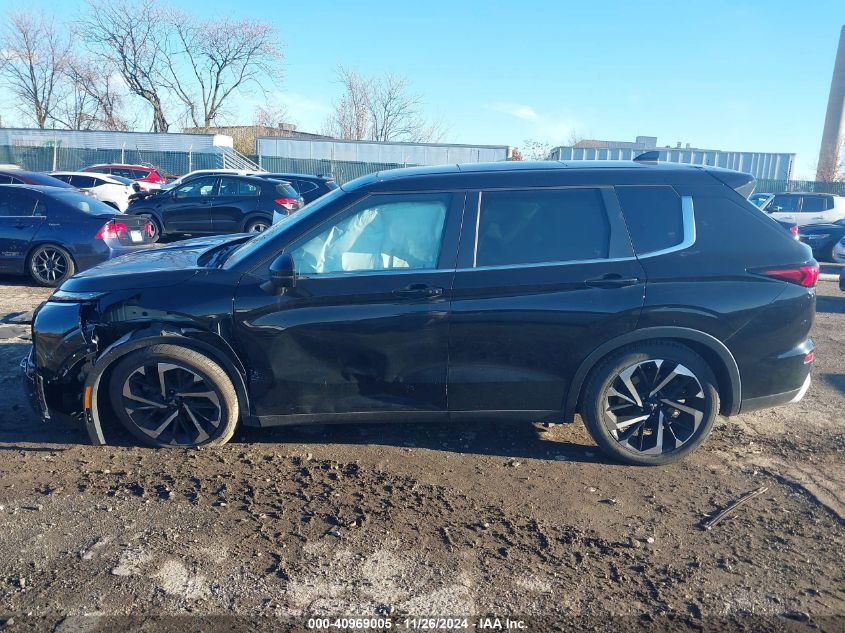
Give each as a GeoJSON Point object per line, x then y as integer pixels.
{"type": "Point", "coordinates": [189, 208]}
{"type": "Point", "coordinates": [234, 201]}
{"type": "Point", "coordinates": [365, 330]}
{"type": "Point", "coordinates": [544, 277]}
{"type": "Point", "coordinates": [21, 215]}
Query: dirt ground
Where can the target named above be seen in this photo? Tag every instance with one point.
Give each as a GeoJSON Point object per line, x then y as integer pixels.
{"type": "Point", "coordinates": [525, 522]}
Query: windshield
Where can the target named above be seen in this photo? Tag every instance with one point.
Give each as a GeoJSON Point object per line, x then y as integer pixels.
{"type": "Point", "coordinates": [251, 246]}
{"type": "Point", "coordinates": [84, 203]}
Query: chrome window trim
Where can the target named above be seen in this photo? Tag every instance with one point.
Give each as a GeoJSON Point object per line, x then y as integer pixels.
{"type": "Point", "coordinates": [688, 216]}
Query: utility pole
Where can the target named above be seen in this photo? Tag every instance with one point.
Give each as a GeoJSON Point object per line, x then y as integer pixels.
{"type": "Point", "coordinates": [834, 121]}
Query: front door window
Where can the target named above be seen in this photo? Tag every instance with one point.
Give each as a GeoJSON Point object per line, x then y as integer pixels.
{"type": "Point", "coordinates": [382, 233]}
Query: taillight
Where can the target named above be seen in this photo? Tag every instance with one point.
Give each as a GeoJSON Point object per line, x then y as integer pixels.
{"type": "Point", "coordinates": [794, 231]}
{"type": "Point", "coordinates": [111, 230]}
{"type": "Point", "coordinates": [809, 358]}
{"type": "Point", "coordinates": [148, 229]}
{"type": "Point", "coordinates": [288, 203]}
{"type": "Point", "coordinates": [806, 276]}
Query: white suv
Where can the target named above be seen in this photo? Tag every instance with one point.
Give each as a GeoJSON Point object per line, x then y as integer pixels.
{"type": "Point", "coordinates": [112, 190]}
{"type": "Point", "coordinates": [806, 208]}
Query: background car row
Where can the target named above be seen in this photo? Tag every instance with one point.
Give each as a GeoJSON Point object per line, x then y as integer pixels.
{"type": "Point", "coordinates": [53, 225]}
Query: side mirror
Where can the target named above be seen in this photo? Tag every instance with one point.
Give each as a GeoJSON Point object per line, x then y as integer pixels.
{"type": "Point", "coordinates": [282, 273]}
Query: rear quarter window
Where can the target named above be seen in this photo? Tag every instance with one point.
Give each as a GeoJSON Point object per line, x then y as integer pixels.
{"type": "Point", "coordinates": [654, 217]}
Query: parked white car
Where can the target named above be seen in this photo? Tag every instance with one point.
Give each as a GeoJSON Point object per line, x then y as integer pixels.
{"type": "Point", "coordinates": [839, 253]}
{"type": "Point", "coordinates": [112, 190]}
{"type": "Point", "coordinates": [806, 208]}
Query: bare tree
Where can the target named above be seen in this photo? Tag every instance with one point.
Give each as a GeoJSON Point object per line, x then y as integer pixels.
{"type": "Point", "coordinates": [208, 61]}
{"type": "Point", "coordinates": [536, 150]}
{"type": "Point", "coordinates": [351, 118]}
{"type": "Point", "coordinates": [33, 55]}
{"type": "Point", "coordinates": [379, 109]}
{"type": "Point", "coordinates": [132, 38]}
{"type": "Point", "coordinates": [270, 115]}
{"type": "Point", "coordinates": [95, 97]}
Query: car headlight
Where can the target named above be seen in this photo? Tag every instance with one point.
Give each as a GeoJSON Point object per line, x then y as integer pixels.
{"type": "Point", "coordinates": [63, 296]}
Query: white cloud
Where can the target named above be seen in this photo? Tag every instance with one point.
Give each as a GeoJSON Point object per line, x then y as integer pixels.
{"type": "Point", "coordinates": [552, 128]}
{"type": "Point", "coordinates": [518, 110]}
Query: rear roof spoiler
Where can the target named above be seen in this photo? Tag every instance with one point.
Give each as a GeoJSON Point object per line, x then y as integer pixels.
{"type": "Point", "coordinates": [740, 182]}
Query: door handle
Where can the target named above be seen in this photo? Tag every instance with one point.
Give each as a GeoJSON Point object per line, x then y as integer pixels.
{"type": "Point", "coordinates": [418, 291]}
{"type": "Point", "coordinates": [612, 280]}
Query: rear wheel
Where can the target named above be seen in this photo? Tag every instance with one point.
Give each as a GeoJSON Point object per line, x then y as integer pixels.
{"type": "Point", "coordinates": [256, 225]}
{"type": "Point", "coordinates": [651, 404]}
{"type": "Point", "coordinates": [155, 227]}
{"type": "Point", "coordinates": [171, 396]}
{"type": "Point", "coordinates": [50, 265]}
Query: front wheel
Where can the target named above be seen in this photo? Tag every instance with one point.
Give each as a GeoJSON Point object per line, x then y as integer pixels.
{"type": "Point", "coordinates": [49, 265]}
{"type": "Point", "coordinates": [651, 403]}
{"type": "Point", "coordinates": [171, 396]}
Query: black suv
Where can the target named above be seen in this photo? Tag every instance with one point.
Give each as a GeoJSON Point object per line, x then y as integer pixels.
{"type": "Point", "coordinates": [216, 203]}
{"type": "Point", "coordinates": [309, 187]}
{"type": "Point", "coordinates": [630, 293]}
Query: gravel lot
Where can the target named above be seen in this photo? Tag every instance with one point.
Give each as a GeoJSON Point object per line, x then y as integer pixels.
{"type": "Point", "coordinates": [503, 520]}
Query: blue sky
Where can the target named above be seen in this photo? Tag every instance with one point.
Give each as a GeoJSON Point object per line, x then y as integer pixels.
{"type": "Point", "coordinates": [748, 76]}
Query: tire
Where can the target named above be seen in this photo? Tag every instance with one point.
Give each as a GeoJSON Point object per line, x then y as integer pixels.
{"type": "Point", "coordinates": [157, 230]}
{"type": "Point", "coordinates": [257, 225]}
{"type": "Point", "coordinates": [156, 409]}
{"type": "Point", "coordinates": [631, 432]}
{"type": "Point", "coordinates": [50, 265]}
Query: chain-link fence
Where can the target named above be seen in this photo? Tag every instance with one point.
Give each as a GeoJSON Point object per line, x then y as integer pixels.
{"type": "Point", "coordinates": [47, 158]}
{"type": "Point", "coordinates": [54, 158]}
{"type": "Point", "coordinates": [343, 171]}
{"type": "Point", "coordinates": [811, 186]}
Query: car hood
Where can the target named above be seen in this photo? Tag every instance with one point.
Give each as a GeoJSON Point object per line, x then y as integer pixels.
{"type": "Point", "coordinates": [156, 267]}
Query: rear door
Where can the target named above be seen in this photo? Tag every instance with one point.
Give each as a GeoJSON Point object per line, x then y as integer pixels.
{"type": "Point", "coordinates": [21, 215]}
{"type": "Point", "coordinates": [785, 207]}
{"type": "Point", "coordinates": [188, 209]}
{"type": "Point", "coordinates": [234, 201]}
{"type": "Point", "coordinates": [544, 277]}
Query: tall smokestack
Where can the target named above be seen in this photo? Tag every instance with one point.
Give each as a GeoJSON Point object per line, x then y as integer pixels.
{"type": "Point", "coordinates": [834, 121]}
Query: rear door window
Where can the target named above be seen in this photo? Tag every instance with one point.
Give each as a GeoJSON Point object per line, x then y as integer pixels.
{"type": "Point", "coordinates": [783, 204]}
{"type": "Point", "coordinates": [14, 204]}
{"type": "Point", "coordinates": [537, 226]}
{"type": "Point", "coordinates": [84, 182]}
{"type": "Point", "coordinates": [237, 187]}
{"type": "Point", "coordinates": [303, 186]}
{"type": "Point", "coordinates": [654, 216]}
{"type": "Point", "coordinates": [136, 174]}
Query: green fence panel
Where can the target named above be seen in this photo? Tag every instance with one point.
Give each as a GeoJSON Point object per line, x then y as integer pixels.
{"type": "Point", "coordinates": [777, 186]}
{"type": "Point", "coordinates": [343, 171]}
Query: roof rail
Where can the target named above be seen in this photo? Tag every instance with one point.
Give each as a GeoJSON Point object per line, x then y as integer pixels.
{"type": "Point", "coordinates": [648, 157]}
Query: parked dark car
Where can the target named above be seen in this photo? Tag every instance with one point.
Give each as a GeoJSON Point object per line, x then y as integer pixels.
{"type": "Point", "coordinates": [822, 238]}
{"type": "Point", "coordinates": [216, 204]}
{"type": "Point", "coordinates": [791, 227]}
{"type": "Point", "coordinates": [309, 187]}
{"type": "Point", "coordinates": [49, 233]}
{"type": "Point", "coordinates": [646, 297]}
{"type": "Point", "coordinates": [21, 177]}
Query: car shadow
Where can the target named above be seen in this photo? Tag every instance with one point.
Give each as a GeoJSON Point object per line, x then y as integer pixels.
{"type": "Point", "coordinates": [831, 305]}
{"type": "Point", "coordinates": [513, 440]}
{"type": "Point", "coordinates": [22, 430]}
{"type": "Point", "coordinates": [837, 381]}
